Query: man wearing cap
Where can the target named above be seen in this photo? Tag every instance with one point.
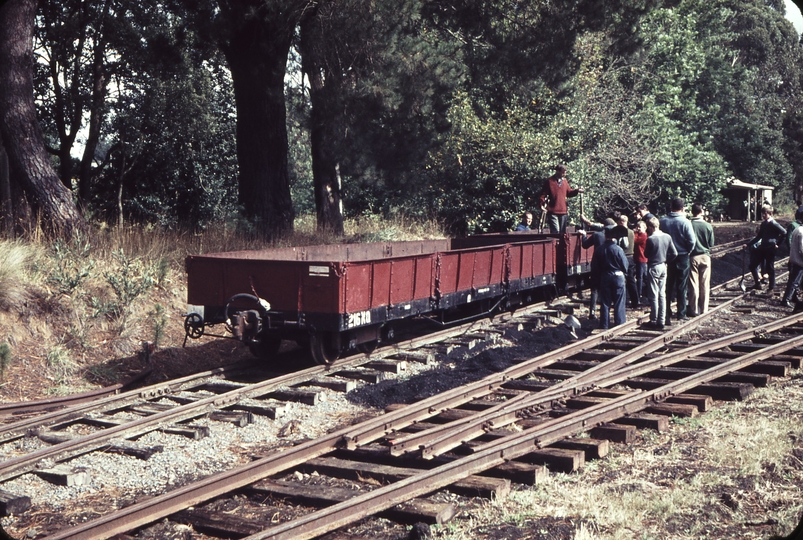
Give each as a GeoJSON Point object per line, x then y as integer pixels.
{"type": "Point", "coordinates": [595, 240]}
{"type": "Point", "coordinates": [610, 264]}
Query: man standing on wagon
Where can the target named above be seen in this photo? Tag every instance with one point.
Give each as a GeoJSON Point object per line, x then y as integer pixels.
{"type": "Point", "coordinates": [553, 199]}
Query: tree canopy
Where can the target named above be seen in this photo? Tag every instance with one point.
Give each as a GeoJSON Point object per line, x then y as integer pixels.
{"type": "Point", "coordinates": [193, 112]}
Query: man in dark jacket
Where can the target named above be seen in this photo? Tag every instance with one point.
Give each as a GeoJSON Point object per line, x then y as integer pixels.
{"type": "Point", "coordinates": [610, 264]}
{"type": "Point", "coordinates": [680, 231]}
{"type": "Point", "coordinates": [595, 240]}
{"type": "Point", "coordinates": [771, 235]}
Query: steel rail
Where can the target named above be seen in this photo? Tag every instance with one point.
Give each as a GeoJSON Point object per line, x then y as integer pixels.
{"type": "Point", "coordinates": [283, 459]}
{"type": "Point", "coordinates": [500, 451]}
{"type": "Point", "coordinates": [431, 406]}
{"type": "Point", "coordinates": [25, 407]}
{"type": "Point", "coordinates": [93, 400]}
{"type": "Point", "coordinates": [16, 466]}
{"type": "Point", "coordinates": [22, 464]}
{"type": "Point", "coordinates": [724, 249]}
{"type": "Point", "coordinates": [149, 392]}
{"type": "Point", "coordinates": [451, 435]}
{"type": "Point", "coordinates": [444, 437]}
{"type": "Point", "coordinates": [384, 424]}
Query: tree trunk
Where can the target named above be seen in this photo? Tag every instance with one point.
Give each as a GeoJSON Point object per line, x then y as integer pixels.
{"type": "Point", "coordinates": [324, 143]}
{"type": "Point", "coordinates": [6, 206]}
{"type": "Point", "coordinates": [97, 113]}
{"type": "Point", "coordinates": [22, 135]}
{"type": "Point", "coordinates": [257, 55]}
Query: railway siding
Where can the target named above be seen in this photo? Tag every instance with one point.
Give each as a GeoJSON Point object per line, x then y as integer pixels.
{"type": "Point", "coordinates": [559, 407]}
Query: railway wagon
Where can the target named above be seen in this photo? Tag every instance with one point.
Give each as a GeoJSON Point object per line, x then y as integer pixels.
{"type": "Point", "coordinates": [572, 262]}
{"type": "Point", "coordinates": [340, 297]}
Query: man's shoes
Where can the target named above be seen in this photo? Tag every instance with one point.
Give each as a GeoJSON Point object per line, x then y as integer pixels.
{"type": "Point", "coordinates": [592, 317]}
{"type": "Point", "coordinates": [668, 322]}
{"type": "Point", "coordinates": [757, 287]}
{"type": "Point", "coordinates": [683, 318]}
{"type": "Point", "coordinates": [787, 303]}
{"type": "Point", "coordinates": [691, 314]}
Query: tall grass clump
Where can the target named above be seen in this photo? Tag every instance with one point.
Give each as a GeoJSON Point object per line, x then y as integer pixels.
{"type": "Point", "coordinates": [16, 259]}
{"type": "Point", "coordinates": [394, 227]}
{"type": "Point", "coordinates": [62, 367]}
{"type": "Point", "coordinates": [5, 359]}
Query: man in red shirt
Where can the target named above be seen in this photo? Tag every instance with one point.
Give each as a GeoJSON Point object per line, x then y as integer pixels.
{"type": "Point", "coordinates": [553, 199]}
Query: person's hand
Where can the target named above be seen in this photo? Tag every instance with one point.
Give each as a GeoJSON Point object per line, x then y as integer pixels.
{"type": "Point", "coordinates": [581, 232]}
{"type": "Point", "coordinates": [580, 190]}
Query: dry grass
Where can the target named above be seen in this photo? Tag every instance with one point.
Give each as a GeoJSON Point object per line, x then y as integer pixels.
{"type": "Point", "coordinates": [75, 314]}
{"type": "Point", "coordinates": [735, 472]}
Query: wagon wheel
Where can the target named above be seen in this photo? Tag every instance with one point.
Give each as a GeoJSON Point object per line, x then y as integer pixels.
{"type": "Point", "coordinates": [267, 346]}
{"type": "Point", "coordinates": [325, 347]}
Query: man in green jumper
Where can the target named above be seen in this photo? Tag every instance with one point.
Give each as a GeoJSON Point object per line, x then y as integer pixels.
{"type": "Point", "coordinates": [700, 274]}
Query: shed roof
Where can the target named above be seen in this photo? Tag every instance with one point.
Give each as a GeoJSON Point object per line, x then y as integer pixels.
{"type": "Point", "coordinates": [738, 184]}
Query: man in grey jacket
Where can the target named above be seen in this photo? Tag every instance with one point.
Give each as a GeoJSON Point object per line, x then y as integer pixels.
{"type": "Point", "coordinates": [679, 228]}
{"type": "Point", "coordinates": [659, 251]}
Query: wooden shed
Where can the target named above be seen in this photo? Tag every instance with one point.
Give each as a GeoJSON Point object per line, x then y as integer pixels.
{"type": "Point", "coordinates": [745, 200]}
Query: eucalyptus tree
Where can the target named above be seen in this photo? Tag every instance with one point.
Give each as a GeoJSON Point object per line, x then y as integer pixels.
{"type": "Point", "coordinates": [255, 37]}
{"type": "Point", "coordinates": [717, 78]}
{"type": "Point", "coordinates": [74, 67]}
{"type": "Point", "coordinates": [380, 75]}
{"type": "Point", "coordinates": [22, 135]}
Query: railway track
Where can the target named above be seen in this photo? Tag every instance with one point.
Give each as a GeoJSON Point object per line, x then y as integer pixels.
{"type": "Point", "coordinates": [605, 386]}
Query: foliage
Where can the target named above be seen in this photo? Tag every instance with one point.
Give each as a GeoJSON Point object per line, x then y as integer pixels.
{"type": "Point", "coordinates": [446, 110]}
{"type": "Point", "coordinates": [128, 281]}
{"type": "Point", "coordinates": [71, 265]}
{"type": "Point", "coordinates": [62, 366]}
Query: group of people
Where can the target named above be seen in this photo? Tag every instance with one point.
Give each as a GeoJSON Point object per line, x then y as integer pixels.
{"type": "Point", "coordinates": [656, 262]}
{"type": "Point", "coordinates": [657, 259]}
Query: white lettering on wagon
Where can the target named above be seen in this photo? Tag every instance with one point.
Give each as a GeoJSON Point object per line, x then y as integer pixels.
{"type": "Point", "coordinates": [483, 290]}
{"type": "Point", "coordinates": [359, 318]}
{"type": "Point", "coordinates": [322, 271]}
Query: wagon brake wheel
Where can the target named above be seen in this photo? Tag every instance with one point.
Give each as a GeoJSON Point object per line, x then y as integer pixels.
{"type": "Point", "coordinates": [194, 325]}
{"type": "Point", "coordinates": [325, 347]}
